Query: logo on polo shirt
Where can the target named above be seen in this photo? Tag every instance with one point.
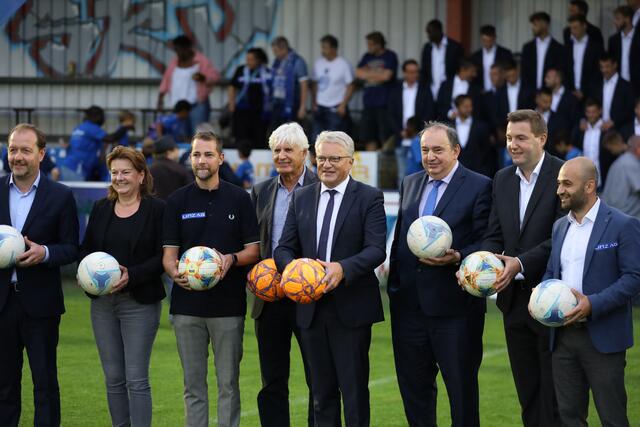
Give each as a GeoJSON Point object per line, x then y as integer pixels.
{"type": "Point", "coordinates": [193, 215]}
{"type": "Point", "coordinates": [232, 217]}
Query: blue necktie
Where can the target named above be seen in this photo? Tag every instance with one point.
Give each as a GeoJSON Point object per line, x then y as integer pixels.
{"type": "Point", "coordinates": [430, 206]}
{"type": "Point", "coordinates": [324, 232]}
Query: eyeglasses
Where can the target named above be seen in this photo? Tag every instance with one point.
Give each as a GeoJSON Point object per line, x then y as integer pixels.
{"type": "Point", "coordinates": [334, 160]}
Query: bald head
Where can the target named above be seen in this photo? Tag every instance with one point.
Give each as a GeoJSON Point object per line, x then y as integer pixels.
{"type": "Point", "coordinates": [584, 167]}
{"type": "Point", "coordinates": [577, 185]}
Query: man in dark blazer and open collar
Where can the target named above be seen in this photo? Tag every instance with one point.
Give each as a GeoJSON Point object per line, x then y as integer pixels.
{"type": "Point", "coordinates": [595, 251]}
{"type": "Point", "coordinates": [31, 300]}
{"type": "Point", "coordinates": [532, 75]}
{"type": "Point", "coordinates": [342, 223]}
{"type": "Point", "coordinates": [275, 322]}
{"type": "Point", "coordinates": [453, 53]}
{"type": "Point", "coordinates": [524, 209]}
{"type": "Point", "coordinates": [435, 325]}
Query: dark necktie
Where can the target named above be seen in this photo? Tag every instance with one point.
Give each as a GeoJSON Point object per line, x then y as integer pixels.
{"type": "Point", "coordinates": [326, 223]}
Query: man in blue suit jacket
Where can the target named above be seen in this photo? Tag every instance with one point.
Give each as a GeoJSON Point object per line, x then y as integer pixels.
{"type": "Point", "coordinates": [31, 300]}
{"type": "Point", "coordinates": [435, 324]}
{"type": "Point", "coordinates": [589, 351]}
{"type": "Point", "coordinates": [342, 223]}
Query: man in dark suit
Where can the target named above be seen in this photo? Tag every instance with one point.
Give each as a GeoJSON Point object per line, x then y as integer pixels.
{"type": "Point", "coordinates": [595, 251]}
{"type": "Point", "coordinates": [168, 174]}
{"type": "Point", "coordinates": [581, 8]}
{"type": "Point", "coordinates": [509, 97]}
{"type": "Point", "coordinates": [624, 46]}
{"type": "Point", "coordinates": [461, 84]}
{"type": "Point", "coordinates": [341, 222]}
{"type": "Point", "coordinates": [275, 322]}
{"type": "Point", "coordinates": [31, 300]}
{"type": "Point", "coordinates": [563, 102]}
{"type": "Point", "coordinates": [582, 52]}
{"type": "Point", "coordinates": [524, 209]}
{"type": "Point", "coordinates": [632, 127]}
{"type": "Point", "coordinates": [541, 53]}
{"type": "Point", "coordinates": [440, 57]}
{"type": "Point", "coordinates": [553, 120]}
{"type": "Point", "coordinates": [489, 54]}
{"type": "Point", "coordinates": [474, 136]}
{"type": "Point", "coordinates": [614, 94]}
{"type": "Point", "coordinates": [435, 325]}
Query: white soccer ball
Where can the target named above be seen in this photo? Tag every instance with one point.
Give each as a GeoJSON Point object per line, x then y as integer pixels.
{"type": "Point", "coordinates": [429, 237]}
{"type": "Point", "coordinates": [98, 272]}
{"type": "Point", "coordinates": [11, 246]}
{"type": "Point", "coordinates": [550, 301]}
{"type": "Point", "coordinates": [478, 273]}
{"type": "Point", "coordinates": [202, 266]}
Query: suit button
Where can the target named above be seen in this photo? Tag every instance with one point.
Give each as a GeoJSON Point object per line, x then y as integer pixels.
{"type": "Point", "coordinates": [419, 269]}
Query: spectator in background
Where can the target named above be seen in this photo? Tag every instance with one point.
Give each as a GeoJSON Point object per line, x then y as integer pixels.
{"type": "Point", "coordinates": [127, 120]}
{"type": "Point", "coordinates": [489, 54]}
{"type": "Point", "coordinates": [490, 99]}
{"type": "Point", "coordinates": [148, 149]}
{"type": "Point", "coordinates": [580, 8]}
{"type": "Point", "coordinates": [249, 98]}
{"type": "Point", "coordinates": [289, 85]}
{"type": "Point", "coordinates": [189, 76]}
{"type": "Point", "coordinates": [633, 126]}
{"type": "Point", "coordinates": [175, 124]}
{"type": "Point", "coordinates": [622, 189]}
{"type": "Point", "coordinates": [409, 98]}
{"type": "Point", "coordinates": [563, 146]}
{"type": "Point", "coordinates": [553, 120]}
{"type": "Point", "coordinates": [614, 94]}
{"type": "Point", "coordinates": [86, 151]}
{"type": "Point", "coordinates": [440, 57]}
{"type": "Point", "coordinates": [168, 174]}
{"type": "Point", "coordinates": [624, 46]}
{"type": "Point", "coordinates": [541, 53]}
{"type": "Point", "coordinates": [377, 69]}
{"type": "Point", "coordinates": [635, 5]}
{"type": "Point", "coordinates": [461, 84]}
{"type": "Point", "coordinates": [47, 166]}
{"type": "Point", "coordinates": [474, 137]}
{"type": "Point", "coordinates": [413, 157]}
{"type": "Point", "coordinates": [582, 52]}
{"type": "Point", "coordinates": [563, 103]}
{"type": "Point", "coordinates": [331, 88]}
{"type": "Point", "coordinates": [244, 171]}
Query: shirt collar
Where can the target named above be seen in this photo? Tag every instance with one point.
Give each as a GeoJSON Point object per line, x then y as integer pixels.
{"type": "Point", "coordinates": [613, 80]}
{"type": "Point", "coordinates": [590, 216]}
{"type": "Point", "coordinates": [514, 86]}
{"type": "Point", "coordinates": [543, 40]}
{"type": "Point", "coordinates": [405, 85]}
{"type": "Point", "coordinates": [300, 180]}
{"type": "Point", "coordinates": [443, 42]}
{"type": "Point", "coordinates": [33, 186]}
{"type": "Point", "coordinates": [585, 39]}
{"type": "Point", "coordinates": [467, 121]}
{"type": "Point", "coordinates": [559, 92]}
{"type": "Point", "coordinates": [535, 173]}
{"type": "Point", "coordinates": [447, 179]}
{"type": "Point", "coordinates": [597, 125]}
{"type": "Point", "coordinates": [628, 36]}
{"type": "Point", "coordinates": [340, 188]}
{"type": "Point", "coordinates": [489, 51]}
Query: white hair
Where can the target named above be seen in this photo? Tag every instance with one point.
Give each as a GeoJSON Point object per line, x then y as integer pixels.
{"type": "Point", "coordinates": [290, 133]}
{"type": "Point", "coordinates": [336, 137]}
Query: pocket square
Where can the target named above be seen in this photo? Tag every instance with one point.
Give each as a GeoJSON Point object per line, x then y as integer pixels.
{"type": "Point", "coordinates": [603, 246]}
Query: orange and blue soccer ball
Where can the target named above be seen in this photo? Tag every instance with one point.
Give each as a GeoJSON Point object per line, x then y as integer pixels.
{"type": "Point", "coordinates": [202, 266]}
{"type": "Point", "coordinates": [264, 281]}
{"type": "Point", "coordinates": [301, 280]}
{"type": "Point", "coordinates": [478, 273]}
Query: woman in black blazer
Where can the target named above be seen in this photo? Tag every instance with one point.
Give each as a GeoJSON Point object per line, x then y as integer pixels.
{"type": "Point", "coordinates": [128, 225]}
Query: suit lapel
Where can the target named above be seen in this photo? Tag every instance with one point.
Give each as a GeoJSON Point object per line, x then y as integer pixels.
{"type": "Point", "coordinates": [415, 194]}
{"type": "Point", "coordinates": [5, 214]}
{"type": "Point", "coordinates": [541, 184]}
{"type": "Point", "coordinates": [139, 221]}
{"type": "Point", "coordinates": [562, 233]}
{"type": "Point", "coordinates": [452, 188]}
{"type": "Point", "coordinates": [513, 192]}
{"type": "Point", "coordinates": [37, 206]}
{"type": "Point", "coordinates": [347, 201]}
{"type": "Point", "coordinates": [272, 191]}
{"type": "Point", "coordinates": [602, 220]}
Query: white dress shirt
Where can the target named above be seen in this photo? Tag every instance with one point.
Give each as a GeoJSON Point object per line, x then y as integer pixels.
{"type": "Point", "coordinates": [608, 88]}
{"type": "Point", "coordinates": [322, 207]}
{"type": "Point", "coordinates": [488, 58]}
{"type": "Point", "coordinates": [443, 187]}
{"type": "Point", "coordinates": [574, 247]}
{"type": "Point", "coordinates": [463, 128]}
{"type": "Point", "coordinates": [438, 68]}
{"type": "Point", "coordinates": [512, 95]}
{"type": "Point", "coordinates": [636, 126]}
{"type": "Point", "coordinates": [591, 142]}
{"type": "Point", "coordinates": [542, 45]}
{"type": "Point", "coordinates": [579, 47]}
{"type": "Point", "coordinates": [556, 97]}
{"type": "Point", "coordinates": [545, 115]}
{"type": "Point", "coordinates": [409, 94]}
{"type": "Point", "coordinates": [460, 87]}
{"type": "Point", "coordinates": [625, 70]}
{"type": "Point", "coordinates": [636, 18]}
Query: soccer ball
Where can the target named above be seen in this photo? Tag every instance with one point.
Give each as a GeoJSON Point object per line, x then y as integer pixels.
{"type": "Point", "coordinates": [429, 237]}
{"type": "Point", "coordinates": [264, 281]}
{"type": "Point", "coordinates": [98, 272]}
{"type": "Point", "coordinates": [301, 280]}
{"type": "Point", "coordinates": [550, 301]}
{"type": "Point", "coordinates": [478, 273]}
{"type": "Point", "coordinates": [202, 266]}
{"type": "Point", "coordinates": [11, 246]}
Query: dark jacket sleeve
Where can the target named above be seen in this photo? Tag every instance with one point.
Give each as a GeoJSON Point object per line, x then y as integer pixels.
{"type": "Point", "coordinates": [152, 266]}
{"type": "Point", "coordinates": [66, 251]}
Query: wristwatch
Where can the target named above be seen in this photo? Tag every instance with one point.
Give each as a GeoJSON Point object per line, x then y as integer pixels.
{"type": "Point", "coordinates": [235, 259]}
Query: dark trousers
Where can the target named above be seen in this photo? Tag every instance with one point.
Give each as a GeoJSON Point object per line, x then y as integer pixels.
{"type": "Point", "coordinates": [424, 345]}
{"type": "Point", "coordinates": [530, 358]}
{"type": "Point", "coordinates": [339, 364]}
{"type": "Point", "coordinates": [274, 328]}
{"type": "Point", "coordinates": [578, 367]}
{"type": "Point", "coordinates": [40, 337]}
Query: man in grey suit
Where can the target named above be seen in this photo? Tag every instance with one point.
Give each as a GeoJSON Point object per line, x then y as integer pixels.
{"type": "Point", "coordinates": [275, 322]}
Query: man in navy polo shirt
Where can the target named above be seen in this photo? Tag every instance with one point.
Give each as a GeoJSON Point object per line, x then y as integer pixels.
{"type": "Point", "coordinates": [213, 213]}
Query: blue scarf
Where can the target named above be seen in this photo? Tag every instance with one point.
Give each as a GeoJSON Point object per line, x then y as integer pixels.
{"type": "Point", "coordinates": [264, 76]}
{"type": "Point", "coordinates": [290, 81]}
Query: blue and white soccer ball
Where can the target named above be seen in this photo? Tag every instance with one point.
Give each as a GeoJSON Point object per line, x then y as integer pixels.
{"type": "Point", "coordinates": [202, 266]}
{"type": "Point", "coordinates": [429, 237]}
{"type": "Point", "coordinates": [98, 272]}
{"type": "Point", "coordinates": [550, 301]}
{"type": "Point", "coordinates": [11, 246]}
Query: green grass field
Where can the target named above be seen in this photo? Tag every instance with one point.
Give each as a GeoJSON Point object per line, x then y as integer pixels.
{"type": "Point", "coordinates": [84, 397]}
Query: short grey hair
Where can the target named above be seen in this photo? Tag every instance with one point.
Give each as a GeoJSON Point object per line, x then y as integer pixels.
{"type": "Point", "coordinates": [290, 133]}
{"type": "Point", "coordinates": [336, 137]}
{"type": "Point", "coordinates": [452, 135]}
